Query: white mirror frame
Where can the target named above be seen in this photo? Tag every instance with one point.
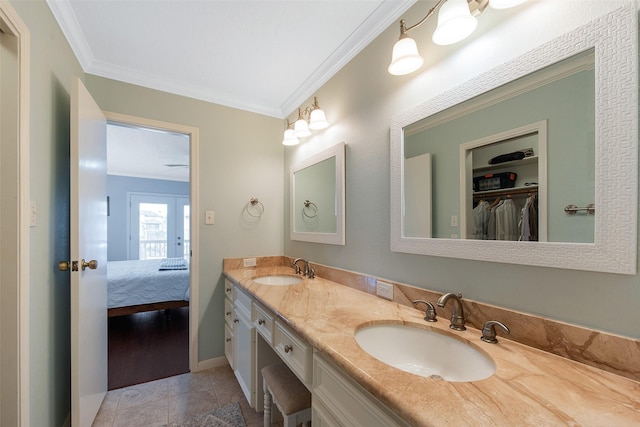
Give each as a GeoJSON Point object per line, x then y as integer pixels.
{"type": "Point", "coordinates": [614, 37]}
{"type": "Point", "coordinates": [337, 238]}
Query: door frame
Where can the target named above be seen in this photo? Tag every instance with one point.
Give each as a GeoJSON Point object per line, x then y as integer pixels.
{"type": "Point", "coordinates": [194, 215]}
{"type": "Point", "coordinates": [16, 318]}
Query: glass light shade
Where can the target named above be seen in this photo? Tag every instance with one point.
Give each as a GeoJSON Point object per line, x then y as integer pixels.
{"type": "Point", "coordinates": [455, 22]}
{"type": "Point", "coordinates": [318, 120]}
{"type": "Point", "coordinates": [405, 58]}
{"type": "Point", "coordinates": [505, 4]}
{"type": "Point", "coordinates": [290, 138]}
{"type": "Point", "coordinates": [301, 128]}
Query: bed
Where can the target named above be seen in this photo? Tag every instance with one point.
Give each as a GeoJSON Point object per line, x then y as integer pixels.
{"type": "Point", "coordinates": [145, 285]}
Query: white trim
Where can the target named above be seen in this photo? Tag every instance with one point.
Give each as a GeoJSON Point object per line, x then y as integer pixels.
{"type": "Point", "coordinates": [194, 196]}
{"type": "Point", "coordinates": [12, 24]}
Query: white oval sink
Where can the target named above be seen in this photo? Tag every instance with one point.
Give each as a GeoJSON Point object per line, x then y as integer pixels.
{"type": "Point", "coordinates": [425, 352]}
{"type": "Point", "coordinates": [278, 280]}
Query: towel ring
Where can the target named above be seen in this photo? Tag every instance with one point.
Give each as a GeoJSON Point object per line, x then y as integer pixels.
{"type": "Point", "coordinates": [309, 207]}
{"type": "Point", "coordinates": [255, 205]}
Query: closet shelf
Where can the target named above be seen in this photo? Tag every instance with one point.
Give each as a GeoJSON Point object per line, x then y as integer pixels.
{"type": "Point", "coordinates": [513, 163]}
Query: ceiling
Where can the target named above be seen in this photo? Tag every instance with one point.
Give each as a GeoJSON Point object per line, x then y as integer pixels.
{"type": "Point", "coordinates": [147, 153]}
{"type": "Point", "coordinates": [264, 56]}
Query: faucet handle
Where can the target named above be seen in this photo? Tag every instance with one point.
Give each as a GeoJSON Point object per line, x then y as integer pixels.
{"type": "Point", "coordinates": [430, 312]}
{"type": "Point", "coordinates": [489, 331]}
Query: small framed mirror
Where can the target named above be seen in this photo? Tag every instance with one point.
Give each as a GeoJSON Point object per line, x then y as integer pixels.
{"type": "Point", "coordinates": [318, 197]}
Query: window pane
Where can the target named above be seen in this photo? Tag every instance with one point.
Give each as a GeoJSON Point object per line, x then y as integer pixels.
{"type": "Point", "coordinates": [187, 240]}
{"type": "Point", "coordinates": [153, 230]}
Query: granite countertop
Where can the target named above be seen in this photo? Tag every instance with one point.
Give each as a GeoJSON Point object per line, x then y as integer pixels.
{"type": "Point", "coordinates": [530, 387]}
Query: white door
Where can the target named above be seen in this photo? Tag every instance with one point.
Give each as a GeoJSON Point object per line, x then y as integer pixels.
{"type": "Point", "coordinates": [88, 242]}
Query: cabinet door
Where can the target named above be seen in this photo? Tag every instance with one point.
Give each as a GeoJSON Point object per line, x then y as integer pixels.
{"type": "Point", "coordinates": [342, 399]}
{"type": "Point", "coordinates": [245, 356]}
{"type": "Point", "coordinates": [229, 346]}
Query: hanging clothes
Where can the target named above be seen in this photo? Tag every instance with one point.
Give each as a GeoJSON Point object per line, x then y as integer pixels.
{"type": "Point", "coordinates": [481, 215]}
{"type": "Point", "coordinates": [491, 227]}
{"type": "Point", "coordinates": [507, 221]}
{"type": "Point", "coordinates": [528, 224]}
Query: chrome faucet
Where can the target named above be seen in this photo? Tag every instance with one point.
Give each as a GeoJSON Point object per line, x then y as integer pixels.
{"type": "Point", "coordinates": [430, 311]}
{"type": "Point", "coordinates": [307, 271]}
{"type": "Point", "coordinates": [295, 265]}
{"type": "Point", "coordinates": [457, 312]}
{"type": "Point", "coordinates": [489, 331]}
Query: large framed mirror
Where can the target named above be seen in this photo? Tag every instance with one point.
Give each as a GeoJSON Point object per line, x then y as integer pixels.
{"type": "Point", "coordinates": [568, 112]}
{"type": "Point", "coordinates": [318, 197]}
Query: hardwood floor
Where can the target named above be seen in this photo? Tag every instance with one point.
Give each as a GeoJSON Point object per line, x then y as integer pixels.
{"type": "Point", "coordinates": [148, 346]}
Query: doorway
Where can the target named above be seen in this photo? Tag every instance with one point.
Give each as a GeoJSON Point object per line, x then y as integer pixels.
{"type": "Point", "coordinates": [151, 197]}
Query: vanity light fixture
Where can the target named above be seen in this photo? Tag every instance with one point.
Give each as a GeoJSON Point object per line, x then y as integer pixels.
{"type": "Point", "coordinates": [309, 118]}
{"type": "Point", "coordinates": [289, 136]}
{"type": "Point", "coordinates": [456, 21]}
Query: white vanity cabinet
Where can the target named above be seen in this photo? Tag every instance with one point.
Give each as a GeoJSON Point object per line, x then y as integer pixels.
{"type": "Point", "coordinates": [258, 338]}
{"type": "Point", "coordinates": [243, 343]}
{"type": "Point", "coordinates": [339, 402]}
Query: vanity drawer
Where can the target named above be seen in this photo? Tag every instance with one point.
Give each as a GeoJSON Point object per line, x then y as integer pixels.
{"type": "Point", "coordinates": [264, 322]}
{"type": "Point", "coordinates": [294, 351]}
{"type": "Point", "coordinates": [228, 312]}
{"type": "Point", "coordinates": [228, 289]}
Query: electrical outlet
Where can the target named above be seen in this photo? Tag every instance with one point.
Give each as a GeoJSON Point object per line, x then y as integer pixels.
{"type": "Point", "coordinates": [454, 220]}
{"type": "Point", "coordinates": [249, 262]}
{"type": "Point", "coordinates": [384, 290]}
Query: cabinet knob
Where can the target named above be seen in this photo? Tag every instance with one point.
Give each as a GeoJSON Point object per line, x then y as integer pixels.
{"type": "Point", "coordinates": [236, 320]}
{"type": "Point", "coordinates": [260, 322]}
{"type": "Point", "coordinates": [228, 313]}
{"type": "Point", "coordinates": [228, 289]}
{"type": "Point", "coordinates": [288, 348]}
{"type": "Point", "coordinates": [228, 339]}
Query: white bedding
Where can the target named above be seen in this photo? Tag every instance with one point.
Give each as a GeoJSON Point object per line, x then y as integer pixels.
{"type": "Point", "coordinates": [140, 282]}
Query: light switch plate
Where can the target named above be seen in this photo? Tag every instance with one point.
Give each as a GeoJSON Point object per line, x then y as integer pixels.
{"type": "Point", "coordinates": [384, 290]}
{"type": "Point", "coordinates": [209, 217]}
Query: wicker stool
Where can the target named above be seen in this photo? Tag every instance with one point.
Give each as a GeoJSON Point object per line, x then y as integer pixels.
{"type": "Point", "coordinates": [290, 396]}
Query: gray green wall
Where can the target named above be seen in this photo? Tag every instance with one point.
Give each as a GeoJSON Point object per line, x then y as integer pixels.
{"type": "Point", "coordinates": [360, 102]}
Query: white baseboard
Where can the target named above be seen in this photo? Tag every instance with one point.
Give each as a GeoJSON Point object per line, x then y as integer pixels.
{"type": "Point", "coordinates": [211, 363]}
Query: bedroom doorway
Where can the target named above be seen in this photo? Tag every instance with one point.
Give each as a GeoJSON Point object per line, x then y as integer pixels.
{"type": "Point", "coordinates": [151, 195]}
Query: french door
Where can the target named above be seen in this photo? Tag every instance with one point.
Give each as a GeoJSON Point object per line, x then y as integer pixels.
{"type": "Point", "coordinates": [159, 226]}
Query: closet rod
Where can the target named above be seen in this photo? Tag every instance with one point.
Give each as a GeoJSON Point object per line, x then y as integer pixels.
{"type": "Point", "coordinates": [496, 193]}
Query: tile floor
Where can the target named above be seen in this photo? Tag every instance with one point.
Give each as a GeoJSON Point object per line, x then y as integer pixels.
{"type": "Point", "coordinates": [174, 399]}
